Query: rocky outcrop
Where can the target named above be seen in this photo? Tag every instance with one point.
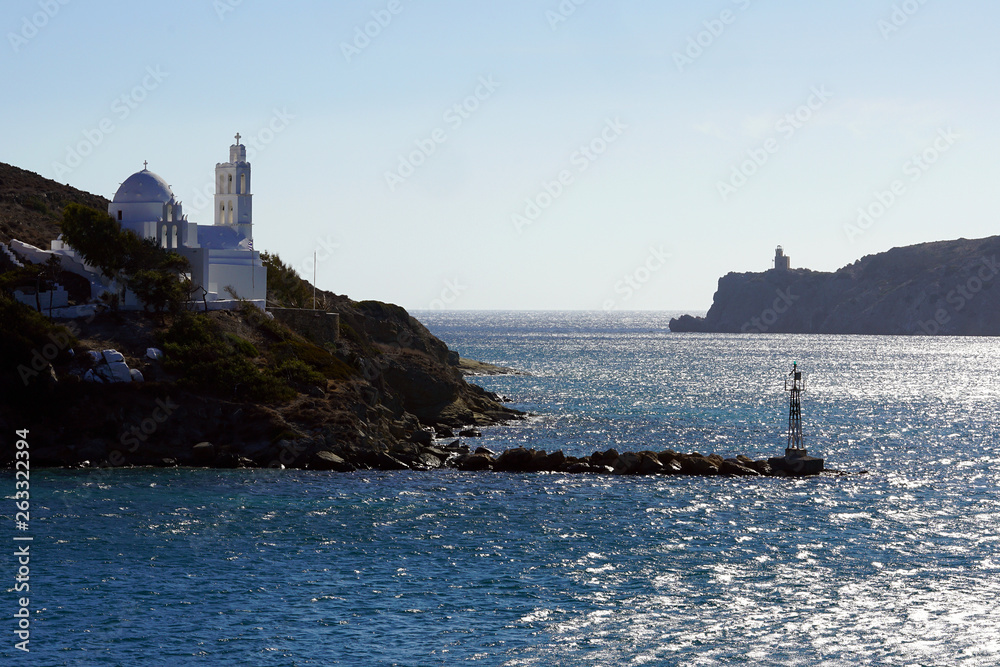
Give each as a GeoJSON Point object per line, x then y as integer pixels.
{"type": "Point", "coordinates": [394, 387]}
{"type": "Point", "coordinates": [942, 288]}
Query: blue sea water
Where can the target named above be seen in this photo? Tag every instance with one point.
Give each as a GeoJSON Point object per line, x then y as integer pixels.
{"type": "Point", "coordinates": [900, 566]}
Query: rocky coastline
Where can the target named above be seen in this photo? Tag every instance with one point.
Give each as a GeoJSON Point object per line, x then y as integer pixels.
{"type": "Point", "coordinates": [940, 288]}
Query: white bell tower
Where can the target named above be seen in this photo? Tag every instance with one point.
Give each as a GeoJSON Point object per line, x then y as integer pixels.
{"type": "Point", "coordinates": [232, 191]}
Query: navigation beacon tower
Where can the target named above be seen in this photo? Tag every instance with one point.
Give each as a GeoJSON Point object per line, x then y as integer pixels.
{"type": "Point", "coordinates": [796, 460]}
{"type": "Point", "coordinates": [794, 384]}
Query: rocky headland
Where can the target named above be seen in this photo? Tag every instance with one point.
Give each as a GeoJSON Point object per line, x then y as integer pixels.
{"type": "Point", "coordinates": [238, 387]}
{"type": "Point", "coordinates": [940, 288]}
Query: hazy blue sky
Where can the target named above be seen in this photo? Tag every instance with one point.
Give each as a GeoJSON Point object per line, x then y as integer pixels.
{"type": "Point", "coordinates": [713, 132]}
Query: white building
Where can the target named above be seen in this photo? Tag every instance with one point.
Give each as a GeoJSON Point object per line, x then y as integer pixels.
{"type": "Point", "coordinates": [221, 255]}
{"type": "Point", "coordinates": [223, 261]}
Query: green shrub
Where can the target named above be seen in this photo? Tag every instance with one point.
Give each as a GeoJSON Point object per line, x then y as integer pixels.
{"type": "Point", "coordinates": [300, 374]}
{"type": "Point", "coordinates": [196, 349]}
{"type": "Point", "coordinates": [243, 346]}
{"type": "Point", "coordinates": [24, 331]}
{"type": "Point", "coordinates": [316, 357]}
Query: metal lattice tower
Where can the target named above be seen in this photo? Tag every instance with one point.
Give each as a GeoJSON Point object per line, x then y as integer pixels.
{"type": "Point", "coordinates": [795, 384]}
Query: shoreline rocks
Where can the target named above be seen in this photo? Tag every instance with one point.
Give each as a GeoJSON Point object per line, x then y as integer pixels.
{"type": "Point", "coordinates": [456, 455]}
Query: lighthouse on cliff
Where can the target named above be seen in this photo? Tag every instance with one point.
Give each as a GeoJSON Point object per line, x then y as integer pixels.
{"type": "Point", "coordinates": [782, 262]}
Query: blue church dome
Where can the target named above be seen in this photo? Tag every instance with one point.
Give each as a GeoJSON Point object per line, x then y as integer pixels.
{"type": "Point", "coordinates": [144, 187]}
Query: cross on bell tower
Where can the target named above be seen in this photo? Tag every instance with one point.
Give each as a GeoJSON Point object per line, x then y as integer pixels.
{"type": "Point", "coordinates": [237, 138]}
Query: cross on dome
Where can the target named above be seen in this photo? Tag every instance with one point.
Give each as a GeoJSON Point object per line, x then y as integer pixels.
{"type": "Point", "coordinates": [144, 163]}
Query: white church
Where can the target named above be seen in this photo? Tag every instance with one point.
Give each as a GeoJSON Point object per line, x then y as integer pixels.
{"type": "Point", "coordinates": [224, 265]}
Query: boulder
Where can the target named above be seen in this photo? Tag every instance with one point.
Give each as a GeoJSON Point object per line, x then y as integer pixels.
{"type": "Point", "coordinates": [649, 464]}
{"type": "Point", "coordinates": [733, 468]}
{"type": "Point", "coordinates": [203, 453]}
{"type": "Point", "coordinates": [426, 461]}
{"type": "Point", "coordinates": [470, 433]}
{"type": "Point", "coordinates": [232, 460]}
{"type": "Point", "coordinates": [696, 464]}
{"type": "Point", "coordinates": [383, 461]}
{"type": "Point", "coordinates": [672, 467]}
{"type": "Point", "coordinates": [515, 460]}
{"type": "Point", "coordinates": [422, 437]}
{"type": "Point", "coordinates": [329, 461]}
{"type": "Point", "coordinates": [475, 462]}
{"type": "Point", "coordinates": [607, 458]}
{"type": "Point", "coordinates": [554, 461]}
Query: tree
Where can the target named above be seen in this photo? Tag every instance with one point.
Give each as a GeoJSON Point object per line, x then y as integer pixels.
{"type": "Point", "coordinates": [151, 272]}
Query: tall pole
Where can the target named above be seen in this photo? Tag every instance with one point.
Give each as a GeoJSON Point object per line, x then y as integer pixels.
{"type": "Point", "coordinates": [794, 384]}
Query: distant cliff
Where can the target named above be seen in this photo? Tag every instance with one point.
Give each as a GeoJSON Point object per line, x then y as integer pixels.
{"type": "Point", "coordinates": [941, 288]}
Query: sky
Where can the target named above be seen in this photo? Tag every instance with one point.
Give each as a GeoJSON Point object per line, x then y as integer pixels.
{"type": "Point", "coordinates": [527, 155]}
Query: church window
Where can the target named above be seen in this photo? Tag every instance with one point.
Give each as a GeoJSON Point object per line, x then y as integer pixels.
{"type": "Point", "coordinates": [222, 213]}
{"type": "Point", "coordinates": [170, 213]}
{"type": "Point", "coordinates": [163, 237]}
{"type": "Point", "coordinates": [173, 237]}
{"type": "Point", "coordinates": [220, 183]}
{"type": "Point", "coordinates": [230, 184]}
{"type": "Point", "coordinates": [243, 184]}
{"type": "Point", "coordinates": [119, 214]}
{"type": "Point", "coordinates": [230, 212]}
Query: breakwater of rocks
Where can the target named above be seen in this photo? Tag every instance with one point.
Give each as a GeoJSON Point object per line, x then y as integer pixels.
{"type": "Point", "coordinates": [423, 453]}
{"type": "Point", "coordinates": [460, 456]}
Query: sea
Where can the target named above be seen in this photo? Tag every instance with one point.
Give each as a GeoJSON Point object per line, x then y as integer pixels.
{"type": "Point", "coordinates": [894, 562]}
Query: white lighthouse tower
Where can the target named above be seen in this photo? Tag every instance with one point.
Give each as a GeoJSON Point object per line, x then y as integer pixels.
{"type": "Point", "coordinates": [233, 201]}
